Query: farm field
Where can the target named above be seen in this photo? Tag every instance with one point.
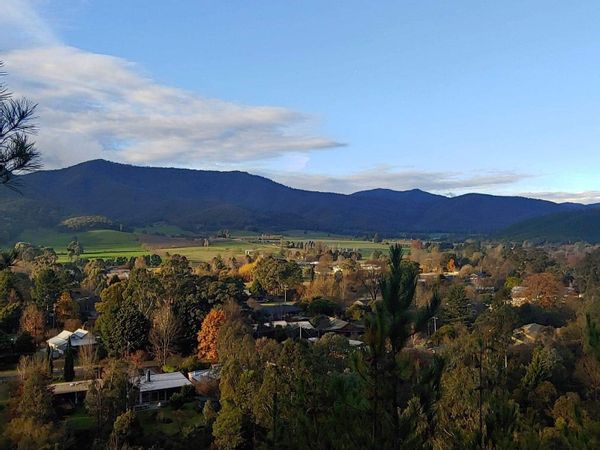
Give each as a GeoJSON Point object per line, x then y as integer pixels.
{"type": "Point", "coordinates": [96, 243]}
{"type": "Point", "coordinates": [111, 243]}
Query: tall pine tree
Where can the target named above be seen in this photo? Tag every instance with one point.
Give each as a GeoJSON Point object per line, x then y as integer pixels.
{"type": "Point", "coordinates": [394, 319]}
{"type": "Point", "coordinates": [69, 371]}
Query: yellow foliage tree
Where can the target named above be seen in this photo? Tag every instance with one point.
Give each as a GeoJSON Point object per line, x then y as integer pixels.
{"type": "Point", "coordinates": [246, 270]}
{"type": "Point", "coordinates": [208, 334]}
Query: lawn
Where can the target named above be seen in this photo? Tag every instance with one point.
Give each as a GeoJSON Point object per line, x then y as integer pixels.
{"type": "Point", "coordinates": [79, 420]}
{"type": "Point", "coordinates": [167, 421]}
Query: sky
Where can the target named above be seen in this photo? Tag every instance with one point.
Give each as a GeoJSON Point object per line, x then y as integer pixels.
{"type": "Point", "coordinates": [449, 97]}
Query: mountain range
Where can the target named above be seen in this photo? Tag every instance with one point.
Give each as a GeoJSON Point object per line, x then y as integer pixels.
{"type": "Point", "coordinates": [200, 201]}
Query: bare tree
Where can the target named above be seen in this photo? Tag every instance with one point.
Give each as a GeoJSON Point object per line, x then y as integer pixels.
{"type": "Point", "coordinates": [370, 279]}
{"type": "Point", "coordinates": [87, 361]}
{"type": "Point", "coordinates": [164, 333]}
{"type": "Point", "coordinates": [17, 151]}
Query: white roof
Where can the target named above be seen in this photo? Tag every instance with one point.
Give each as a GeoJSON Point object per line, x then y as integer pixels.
{"type": "Point", "coordinates": [283, 323]}
{"type": "Point", "coordinates": [303, 324]}
{"type": "Point", "coordinates": [214, 373]}
{"type": "Point", "coordinates": [78, 338]}
{"type": "Point", "coordinates": [160, 381]}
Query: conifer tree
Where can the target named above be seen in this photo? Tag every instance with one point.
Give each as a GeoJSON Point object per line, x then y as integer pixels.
{"type": "Point", "coordinates": [69, 370]}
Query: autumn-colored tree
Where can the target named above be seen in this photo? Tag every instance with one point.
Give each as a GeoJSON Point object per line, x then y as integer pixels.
{"type": "Point", "coordinates": [451, 265]}
{"type": "Point", "coordinates": [66, 308]}
{"type": "Point", "coordinates": [245, 271]}
{"type": "Point", "coordinates": [544, 288]}
{"type": "Point", "coordinates": [208, 334]}
{"type": "Point", "coordinates": [32, 321]}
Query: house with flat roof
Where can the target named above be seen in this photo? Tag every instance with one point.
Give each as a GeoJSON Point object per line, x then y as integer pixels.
{"type": "Point", "coordinates": [72, 391]}
{"type": "Point", "coordinates": [159, 387]}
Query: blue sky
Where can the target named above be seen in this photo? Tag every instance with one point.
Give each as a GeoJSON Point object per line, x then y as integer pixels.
{"type": "Point", "coordinates": [451, 97]}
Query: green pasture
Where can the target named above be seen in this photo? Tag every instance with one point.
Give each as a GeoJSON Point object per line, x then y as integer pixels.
{"type": "Point", "coordinates": [111, 243]}
{"type": "Point", "coordinates": [226, 249]}
{"type": "Point", "coordinates": [96, 243]}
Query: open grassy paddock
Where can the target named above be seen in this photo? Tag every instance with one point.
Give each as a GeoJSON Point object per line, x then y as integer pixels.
{"type": "Point", "coordinates": [144, 241]}
{"type": "Point", "coordinates": [96, 243]}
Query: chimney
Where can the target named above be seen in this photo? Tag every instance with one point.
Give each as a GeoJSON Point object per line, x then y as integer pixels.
{"type": "Point", "coordinates": [147, 375]}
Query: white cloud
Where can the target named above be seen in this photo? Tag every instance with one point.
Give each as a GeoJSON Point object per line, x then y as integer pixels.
{"type": "Point", "coordinates": [391, 178]}
{"type": "Point", "coordinates": [586, 197]}
{"type": "Point", "coordinates": [21, 25]}
{"type": "Point", "coordinates": [94, 106]}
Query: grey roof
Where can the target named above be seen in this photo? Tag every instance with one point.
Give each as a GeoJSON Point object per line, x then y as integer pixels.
{"type": "Point", "coordinates": [71, 387]}
{"type": "Point", "coordinates": [213, 373]}
{"type": "Point", "coordinates": [160, 381]}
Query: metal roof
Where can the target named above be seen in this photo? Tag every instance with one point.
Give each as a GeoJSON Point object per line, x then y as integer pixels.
{"type": "Point", "coordinates": [160, 381]}
{"type": "Point", "coordinates": [71, 387]}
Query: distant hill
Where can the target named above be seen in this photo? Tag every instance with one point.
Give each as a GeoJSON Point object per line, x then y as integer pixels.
{"type": "Point", "coordinates": [571, 226]}
{"type": "Point", "coordinates": [207, 200]}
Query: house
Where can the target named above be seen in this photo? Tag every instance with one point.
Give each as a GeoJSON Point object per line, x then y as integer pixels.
{"type": "Point", "coordinates": [121, 274]}
{"type": "Point", "coordinates": [80, 337]}
{"type": "Point", "coordinates": [532, 333]}
{"type": "Point", "coordinates": [71, 391]}
{"type": "Point", "coordinates": [206, 375]}
{"type": "Point", "coordinates": [279, 311]}
{"type": "Point", "coordinates": [339, 326]}
{"type": "Point", "coordinates": [159, 387]}
{"type": "Point", "coordinates": [482, 282]}
{"type": "Point", "coordinates": [279, 328]}
{"type": "Point", "coordinates": [206, 381]}
{"type": "Point", "coordinates": [351, 342]}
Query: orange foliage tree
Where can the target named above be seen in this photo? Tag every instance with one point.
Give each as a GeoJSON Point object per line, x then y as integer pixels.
{"type": "Point", "coordinates": [451, 265]}
{"type": "Point", "coordinates": [545, 288]}
{"type": "Point", "coordinates": [32, 321]}
{"type": "Point", "coordinates": [208, 334]}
